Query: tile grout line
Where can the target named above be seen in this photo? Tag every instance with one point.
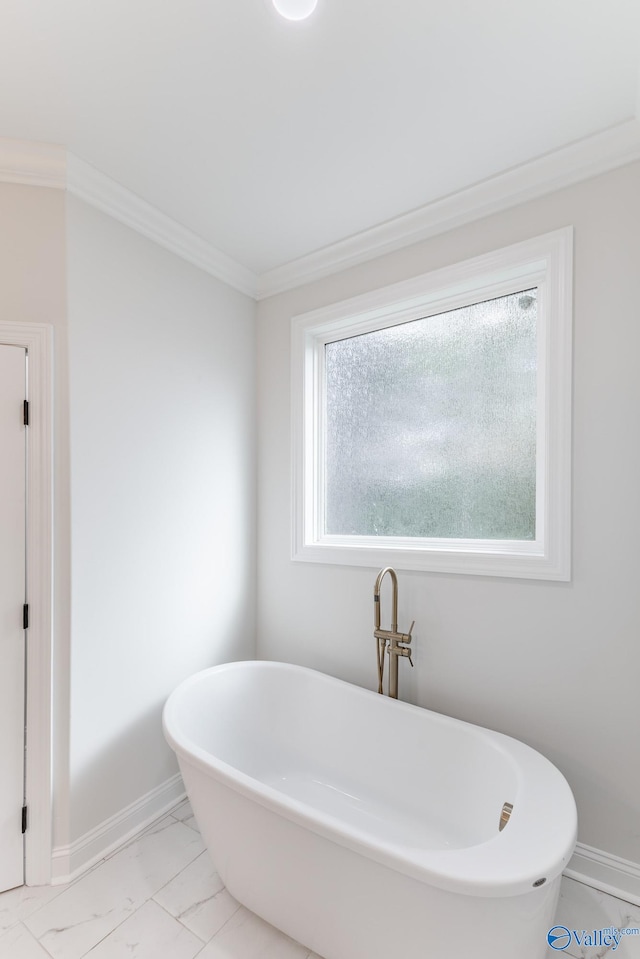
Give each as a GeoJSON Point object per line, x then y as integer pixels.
{"type": "Point", "coordinates": [67, 886]}
{"type": "Point", "coordinates": [31, 936]}
{"type": "Point", "coordinates": [169, 822]}
{"type": "Point", "coordinates": [225, 923]}
{"type": "Point", "coordinates": [106, 859]}
{"type": "Point", "coordinates": [63, 887]}
{"type": "Point", "coordinates": [135, 913]}
{"type": "Point", "coordinates": [137, 910]}
{"type": "Point", "coordinates": [178, 919]}
{"type": "Point", "coordinates": [106, 936]}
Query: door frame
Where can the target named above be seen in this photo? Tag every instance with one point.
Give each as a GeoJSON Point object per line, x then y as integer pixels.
{"type": "Point", "coordinates": [37, 339]}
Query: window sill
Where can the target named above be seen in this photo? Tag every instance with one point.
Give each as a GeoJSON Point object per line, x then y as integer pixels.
{"type": "Point", "coordinates": [481, 558]}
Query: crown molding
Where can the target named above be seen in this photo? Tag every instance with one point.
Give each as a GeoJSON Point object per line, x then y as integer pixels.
{"type": "Point", "coordinates": [100, 191]}
{"type": "Point", "coordinates": [48, 165]}
{"type": "Point", "coordinates": [579, 161]}
{"type": "Point", "coordinates": [33, 164]}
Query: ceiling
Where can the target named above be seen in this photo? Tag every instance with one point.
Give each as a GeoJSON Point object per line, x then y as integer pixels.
{"type": "Point", "coordinates": [272, 140]}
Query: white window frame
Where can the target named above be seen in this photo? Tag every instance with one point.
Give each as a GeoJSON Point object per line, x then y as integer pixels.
{"type": "Point", "coordinates": [545, 262]}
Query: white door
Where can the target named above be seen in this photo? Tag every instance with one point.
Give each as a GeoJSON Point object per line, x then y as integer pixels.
{"type": "Point", "coordinates": [12, 599]}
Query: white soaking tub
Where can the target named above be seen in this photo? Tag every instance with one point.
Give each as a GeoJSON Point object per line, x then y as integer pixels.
{"type": "Point", "coordinates": [367, 828]}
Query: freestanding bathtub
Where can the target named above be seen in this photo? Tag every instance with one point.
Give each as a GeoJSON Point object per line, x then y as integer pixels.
{"type": "Point", "coordinates": [367, 828]}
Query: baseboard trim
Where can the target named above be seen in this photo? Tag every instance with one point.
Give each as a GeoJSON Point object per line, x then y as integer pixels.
{"type": "Point", "coordinates": [601, 870]}
{"type": "Point", "coordinates": [70, 862]}
{"type": "Point", "coordinates": [593, 867]}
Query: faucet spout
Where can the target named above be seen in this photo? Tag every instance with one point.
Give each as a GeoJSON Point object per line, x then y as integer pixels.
{"type": "Point", "coordinates": [389, 640]}
{"type": "Point", "coordinates": [381, 640]}
{"type": "Point", "coordinates": [376, 597]}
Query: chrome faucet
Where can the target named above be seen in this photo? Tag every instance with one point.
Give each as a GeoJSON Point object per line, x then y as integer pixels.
{"type": "Point", "coordinates": [390, 640]}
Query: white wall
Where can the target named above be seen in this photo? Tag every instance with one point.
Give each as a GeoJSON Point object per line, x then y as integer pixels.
{"type": "Point", "coordinates": [33, 290]}
{"type": "Point", "coordinates": [556, 665]}
{"type": "Point", "coordinates": [163, 490]}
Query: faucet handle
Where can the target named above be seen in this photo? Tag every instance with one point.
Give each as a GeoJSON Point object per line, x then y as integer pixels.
{"type": "Point", "coordinates": [409, 640]}
{"type": "Point", "coordinates": [406, 637]}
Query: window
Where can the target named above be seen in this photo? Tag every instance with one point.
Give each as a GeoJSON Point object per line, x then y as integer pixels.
{"type": "Point", "coordinates": [431, 421]}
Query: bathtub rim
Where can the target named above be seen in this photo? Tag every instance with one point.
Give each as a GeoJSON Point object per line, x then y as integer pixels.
{"type": "Point", "coordinates": [491, 868]}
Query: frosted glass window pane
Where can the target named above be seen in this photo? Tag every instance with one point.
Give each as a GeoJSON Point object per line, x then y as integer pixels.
{"type": "Point", "coordinates": [431, 426]}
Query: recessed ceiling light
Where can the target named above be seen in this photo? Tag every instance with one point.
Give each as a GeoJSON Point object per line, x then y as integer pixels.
{"type": "Point", "coordinates": [295, 9]}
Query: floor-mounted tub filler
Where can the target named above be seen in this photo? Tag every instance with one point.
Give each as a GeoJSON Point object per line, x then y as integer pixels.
{"type": "Point", "coordinates": [368, 828]}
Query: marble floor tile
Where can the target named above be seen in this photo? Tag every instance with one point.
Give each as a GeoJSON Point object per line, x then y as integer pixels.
{"type": "Point", "coordinates": [150, 933]}
{"type": "Point", "coordinates": [17, 904]}
{"type": "Point", "coordinates": [197, 898]}
{"type": "Point", "coordinates": [161, 898]}
{"type": "Point", "coordinates": [246, 936]}
{"type": "Point", "coordinates": [584, 910]}
{"type": "Point", "coordinates": [18, 943]}
{"type": "Point", "coordinates": [75, 921]}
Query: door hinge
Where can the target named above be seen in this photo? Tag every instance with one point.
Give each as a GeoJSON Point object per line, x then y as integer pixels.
{"type": "Point", "coordinates": [25, 417]}
{"type": "Point", "coordinates": [24, 819]}
{"type": "Point", "coordinates": [25, 616]}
